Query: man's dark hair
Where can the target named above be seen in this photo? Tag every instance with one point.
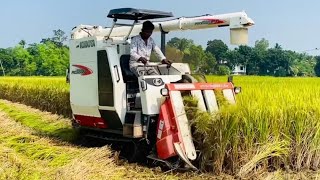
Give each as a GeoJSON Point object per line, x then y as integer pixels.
{"type": "Point", "coordinates": [147, 25]}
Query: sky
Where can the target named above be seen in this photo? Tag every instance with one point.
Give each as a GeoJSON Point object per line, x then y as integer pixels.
{"type": "Point", "coordinates": [294, 24]}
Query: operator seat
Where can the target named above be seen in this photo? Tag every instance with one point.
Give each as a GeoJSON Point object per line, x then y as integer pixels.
{"type": "Point", "coordinates": [131, 80]}
{"type": "Point", "coordinates": [128, 76]}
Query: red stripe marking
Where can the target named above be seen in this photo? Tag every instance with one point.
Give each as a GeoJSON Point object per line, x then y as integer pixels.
{"type": "Point", "coordinates": [90, 121]}
{"type": "Point", "coordinates": [199, 86]}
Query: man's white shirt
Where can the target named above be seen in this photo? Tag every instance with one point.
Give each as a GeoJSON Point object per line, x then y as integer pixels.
{"type": "Point", "coordinates": [139, 49]}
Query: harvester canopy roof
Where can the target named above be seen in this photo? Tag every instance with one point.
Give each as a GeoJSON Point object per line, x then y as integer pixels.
{"type": "Point", "coordinates": [137, 14]}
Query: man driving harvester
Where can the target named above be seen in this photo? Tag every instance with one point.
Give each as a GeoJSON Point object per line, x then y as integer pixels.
{"type": "Point", "coordinates": [140, 52]}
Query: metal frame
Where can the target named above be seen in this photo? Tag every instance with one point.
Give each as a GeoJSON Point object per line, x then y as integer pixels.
{"type": "Point", "coordinates": [163, 39]}
{"type": "Point", "coordinates": [121, 24]}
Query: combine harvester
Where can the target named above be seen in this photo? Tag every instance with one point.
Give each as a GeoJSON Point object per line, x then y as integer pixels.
{"type": "Point", "coordinates": [110, 103]}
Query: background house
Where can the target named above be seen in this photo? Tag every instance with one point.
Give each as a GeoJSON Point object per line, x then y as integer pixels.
{"type": "Point", "coordinates": [239, 70]}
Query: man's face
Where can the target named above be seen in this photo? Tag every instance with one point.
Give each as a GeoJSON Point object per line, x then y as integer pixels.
{"type": "Point", "coordinates": [146, 33]}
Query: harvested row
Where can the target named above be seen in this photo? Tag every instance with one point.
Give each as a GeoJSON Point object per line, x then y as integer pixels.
{"type": "Point", "coordinates": [32, 152]}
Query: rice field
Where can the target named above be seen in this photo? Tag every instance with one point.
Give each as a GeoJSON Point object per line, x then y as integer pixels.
{"type": "Point", "coordinates": [275, 125]}
{"type": "Point", "coordinates": [45, 93]}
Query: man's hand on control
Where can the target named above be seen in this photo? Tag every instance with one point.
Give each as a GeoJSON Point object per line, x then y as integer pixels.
{"type": "Point", "coordinates": [165, 61]}
{"type": "Point", "coordinates": [143, 60]}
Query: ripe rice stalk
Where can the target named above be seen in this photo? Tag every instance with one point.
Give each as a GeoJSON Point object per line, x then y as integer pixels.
{"type": "Point", "coordinates": [48, 94]}
{"type": "Point", "coordinates": [269, 111]}
{"type": "Point", "coordinates": [273, 149]}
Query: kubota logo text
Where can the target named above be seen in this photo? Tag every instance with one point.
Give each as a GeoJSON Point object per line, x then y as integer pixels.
{"type": "Point", "coordinates": [80, 69]}
{"type": "Point", "coordinates": [208, 21]}
{"type": "Point", "coordinates": [86, 44]}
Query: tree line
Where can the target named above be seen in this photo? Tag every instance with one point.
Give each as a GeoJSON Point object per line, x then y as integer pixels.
{"type": "Point", "coordinates": [50, 57]}
{"type": "Point", "coordinates": [261, 59]}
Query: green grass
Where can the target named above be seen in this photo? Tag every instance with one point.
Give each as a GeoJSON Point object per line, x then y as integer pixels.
{"type": "Point", "coordinates": [55, 128]}
{"type": "Point", "coordinates": [24, 154]}
{"type": "Point", "coordinates": [29, 146]}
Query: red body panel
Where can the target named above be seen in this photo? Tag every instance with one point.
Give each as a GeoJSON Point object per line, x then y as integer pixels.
{"type": "Point", "coordinates": [89, 121]}
{"type": "Point", "coordinates": [167, 132]}
{"type": "Point", "coordinates": [167, 129]}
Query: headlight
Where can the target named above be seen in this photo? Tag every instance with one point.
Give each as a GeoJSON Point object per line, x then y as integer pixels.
{"type": "Point", "coordinates": [237, 90]}
{"type": "Point", "coordinates": [164, 92]}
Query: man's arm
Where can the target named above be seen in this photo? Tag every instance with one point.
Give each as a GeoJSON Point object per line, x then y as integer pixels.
{"type": "Point", "coordinates": [160, 55]}
{"type": "Point", "coordinates": [157, 51]}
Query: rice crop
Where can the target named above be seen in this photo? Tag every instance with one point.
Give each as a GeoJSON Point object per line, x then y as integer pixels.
{"type": "Point", "coordinates": [45, 93]}
{"type": "Point", "coordinates": [274, 126]}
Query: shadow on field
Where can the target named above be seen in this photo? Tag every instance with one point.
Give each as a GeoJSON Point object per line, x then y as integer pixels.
{"type": "Point", "coordinates": [123, 151]}
{"type": "Point", "coordinates": [68, 135]}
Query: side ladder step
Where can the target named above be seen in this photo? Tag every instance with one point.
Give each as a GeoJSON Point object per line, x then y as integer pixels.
{"type": "Point", "coordinates": [133, 126]}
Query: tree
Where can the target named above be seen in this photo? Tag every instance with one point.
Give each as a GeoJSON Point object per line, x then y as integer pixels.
{"type": "Point", "coordinates": [246, 53]}
{"type": "Point", "coordinates": [195, 58]}
{"type": "Point", "coordinates": [259, 53]}
{"type": "Point", "coordinates": [233, 58]}
{"type": "Point", "coordinates": [21, 59]}
{"type": "Point", "coordinates": [247, 59]}
{"type": "Point", "coordinates": [52, 59]}
{"type": "Point", "coordinates": [180, 44]}
{"type": "Point", "coordinates": [6, 60]}
{"type": "Point", "coordinates": [278, 61]}
{"type": "Point", "coordinates": [210, 64]}
{"type": "Point", "coordinates": [243, 55]}
{"type": "Point", "coordinates": [32, 49]}
{"type": "Point", "coordinates": [218, 48]}
{"type": "Point", "coordinates": [22, 43]}
{"type": "Point", "coordinates": [317, 66]}
{"type": "Point", "coordinates": [59, 37]}
{"type": "Point", "coordinates": [223, 70]}
{"type": "Point", "coordinates": [262, 45]}
{"type": "Point", "coordinates": [174, 54]}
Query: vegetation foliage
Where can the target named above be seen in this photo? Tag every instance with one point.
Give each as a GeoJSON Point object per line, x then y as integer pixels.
{"type": "Point", "coordinates": [50, 57]}
{"type": "Point", "coordinates": [261, 59]}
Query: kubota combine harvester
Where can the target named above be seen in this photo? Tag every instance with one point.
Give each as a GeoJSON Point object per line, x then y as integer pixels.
{"type": "Point", "coordinates": [109, 102]}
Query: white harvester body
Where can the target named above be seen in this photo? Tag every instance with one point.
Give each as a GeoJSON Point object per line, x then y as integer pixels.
{"type": "Point", "coordinates": [107, 97]}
